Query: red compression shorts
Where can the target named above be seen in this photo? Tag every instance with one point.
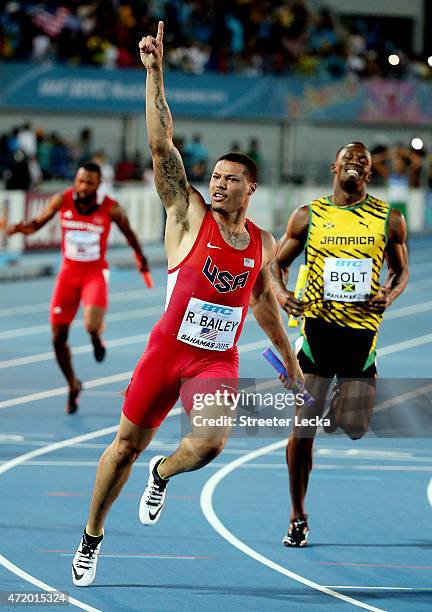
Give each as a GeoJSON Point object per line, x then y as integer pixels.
{"type": "Point", "coordinates": [156, 383]}
{"type": "Point", "coordinates": [72, 286]}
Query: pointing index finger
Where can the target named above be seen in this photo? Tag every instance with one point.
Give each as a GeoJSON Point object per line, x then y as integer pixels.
{"type": "Point", "coordinates": [160, 32]}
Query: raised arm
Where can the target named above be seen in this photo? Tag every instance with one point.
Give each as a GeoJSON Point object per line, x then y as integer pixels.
{"type": "Point", "coordinates": [289, 247]}
{"type": "Point", "coordinates": [32, 226]}
{"type": "Point", "coordinates": [170, 175]}
{"type": "Point", "coordinates": [266, 311]}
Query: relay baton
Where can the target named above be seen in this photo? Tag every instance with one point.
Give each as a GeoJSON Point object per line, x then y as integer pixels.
{"type": "Point", "coordinates": [299, 291]}
{"type": "Point", "coordinates": [146, 275]}
{"type": "Point", "coordinates": [280, 368]}
{"type": "Point", "coordinates": [148, 279]}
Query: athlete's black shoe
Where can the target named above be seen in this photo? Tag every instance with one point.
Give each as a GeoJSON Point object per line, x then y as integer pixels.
{"type": "Point", "coordinates": [99, 349]}
{"type": "Point", "coordinates": [153, 498]}
{"type": "Point", "coordinates": [72, 403]}
{"type": "Point", "coordinates": [298, 532]}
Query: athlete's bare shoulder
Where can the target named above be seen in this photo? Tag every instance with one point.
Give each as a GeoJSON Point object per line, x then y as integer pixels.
{"type": "Point", "coordinates": [55, 202]}
{"type": "Point", "coordinates": [298, 224]}
{"type": "Point", "coordinates": [299, 220]}
{"type": "Point", "coordinates": [268, 245]}
{"type": "Point", "coordinates": [396, 226]}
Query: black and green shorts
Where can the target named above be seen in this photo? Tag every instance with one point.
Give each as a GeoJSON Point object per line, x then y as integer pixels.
{"type": "Point", "coordinates": [328, 349]}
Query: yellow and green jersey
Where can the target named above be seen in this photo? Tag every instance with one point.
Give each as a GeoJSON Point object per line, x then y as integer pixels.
{"type": "Point", "coordinates": [345, 252]}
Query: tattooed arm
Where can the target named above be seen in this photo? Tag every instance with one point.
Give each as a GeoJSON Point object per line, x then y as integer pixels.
{"type": "Point", "coordinates": [170, 176]}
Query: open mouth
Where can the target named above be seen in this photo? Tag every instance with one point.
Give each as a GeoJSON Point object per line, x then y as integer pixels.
{"type": "Point", "coordinates": [353, 172]}
{"type": "Point", "coordinates": [218, 196]}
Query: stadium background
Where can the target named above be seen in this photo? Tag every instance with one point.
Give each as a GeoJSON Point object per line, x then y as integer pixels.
{"type": "Point", "coordinates": [298, 78]}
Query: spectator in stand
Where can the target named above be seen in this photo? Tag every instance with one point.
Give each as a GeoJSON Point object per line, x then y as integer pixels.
{"type": "Point", "coordinates": [125, 170]}
{"type": "Point", "coordinates": [106, 186]}
{"type": "Point", "coordinates": [196, 158]}
{"type": "Point", "coordinates": [13, 140]}
{"type": "Point", "coordinates": [43, 153]}
{"type": "Point", "coordinates": [61, 158]}
{"type": "Point", "coordinates": [254, 152]}
{"type": "Point", "coordinates": [85, 145]}
{"type": "Point", "coordinates": [397, 162]}
{"type": "Point", "coordinates": [252, 37]}
{"type": "Point", "coordinates": [27, 140]}
{"type": "Point", "coordinates": [235, 147]}
{"type": "Point", "coordinates": [6, 156]}
{"type": "Point", "coordinates": [148, 174]}
{"type": "Point", "coordinates": [18, 175]}
{"type": "Point", "coordinates": [139, 165]}
{"type": "Point", "coordinates": [36, 176]}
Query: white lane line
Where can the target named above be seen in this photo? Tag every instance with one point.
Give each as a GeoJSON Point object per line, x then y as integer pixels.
{"type": "Point", "coordinates": [429, 492]}
{"type": "Point", "coordinates": [206, 501]}
{"type": "Point", "coordinates": [144, 294]}
{"type": "Point", "coordinates": [143, 556]}
{"type": "Point", "coordinates": [50, 448]}
{"type": "Point", "coordinates": [404, 345]}
{"type": "Point", "coordinates": [42, 585]}
{"type": "Point", "coordinates": [87, 348]}
{"type": "Point", "coordinates": [406, 311]}
{"type": "Point", "coordinates": [78, 350]}
{"type": "Point", "coordinates": [379, 588]}
{"type": "Point", "coordinates": [33, 397]}
{"type": "Point", "coordinates": [256, 466]}
{"type": "Point", "coordinates": [121, 296]}
{"type": "Point", "coordinates": [8, 465]}
{"type": "Point", "coordinates": [404, 397]}
{"type": "Point", "coordinates": [243, 348]}
{"type": "Point", "coordinates": [125, 315]}
{"type": "Point", "coordinates": [396, 313]}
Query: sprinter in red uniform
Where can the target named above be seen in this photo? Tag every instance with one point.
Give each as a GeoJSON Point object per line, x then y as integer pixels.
{"type": "Point", "coordinates": [218, 264]}
{"type": "Point", "coordinates": [85, 224]}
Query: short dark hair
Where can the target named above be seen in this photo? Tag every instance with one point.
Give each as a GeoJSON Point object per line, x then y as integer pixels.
{"type": "Point", "coordinates": [244, 160]}
{"type": "Point", "coordinates": [92, 167]}
{"type": "Point", "coordinates": [355, 142]}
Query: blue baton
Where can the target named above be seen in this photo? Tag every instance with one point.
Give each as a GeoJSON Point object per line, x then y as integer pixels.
{"type": "Point", "coordinates": [280, 368]}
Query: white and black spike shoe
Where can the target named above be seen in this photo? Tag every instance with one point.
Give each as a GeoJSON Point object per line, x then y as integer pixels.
{"type": "Point", "coordinates": [153, 498]}
{"type": "Point", "coordinates": [85, 561]}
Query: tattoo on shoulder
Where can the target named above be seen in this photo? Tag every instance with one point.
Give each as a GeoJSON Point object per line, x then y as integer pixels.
{"type": "Point", "coordinates": [170, 177]}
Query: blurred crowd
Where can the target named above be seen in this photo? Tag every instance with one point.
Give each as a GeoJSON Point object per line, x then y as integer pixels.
{"type": "Point", "coordinates": [245, 36]}
{"type": "Point", "coordinates": [30, 156]}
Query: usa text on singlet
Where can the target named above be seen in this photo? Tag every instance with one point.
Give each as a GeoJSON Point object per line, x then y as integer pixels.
{"type": "Point", "coordinates": [208, 292]}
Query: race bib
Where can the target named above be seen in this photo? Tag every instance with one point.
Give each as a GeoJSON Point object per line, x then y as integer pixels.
{"type": "Point", "coordinates": [347, 280]}
{"type": "Point", "coordinates": [82, 246]}
{"type": "Point", "coordinates": [210, 326]}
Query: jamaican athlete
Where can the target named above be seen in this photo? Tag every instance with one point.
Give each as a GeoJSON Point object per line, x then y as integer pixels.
{"type": "Point", "coordinates": [347, 236]}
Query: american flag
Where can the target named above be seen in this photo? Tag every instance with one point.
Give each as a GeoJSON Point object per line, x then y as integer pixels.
{"type": "Point", "coordinates": [51, 23]}
{"type": "Point", "coordinates": [208, 333]}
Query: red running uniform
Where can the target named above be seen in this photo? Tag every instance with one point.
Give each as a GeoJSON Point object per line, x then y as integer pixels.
{"type": "Point", "coordinates": [207, 301]}
{"type": "Point", "coordinates": [84, 271]}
